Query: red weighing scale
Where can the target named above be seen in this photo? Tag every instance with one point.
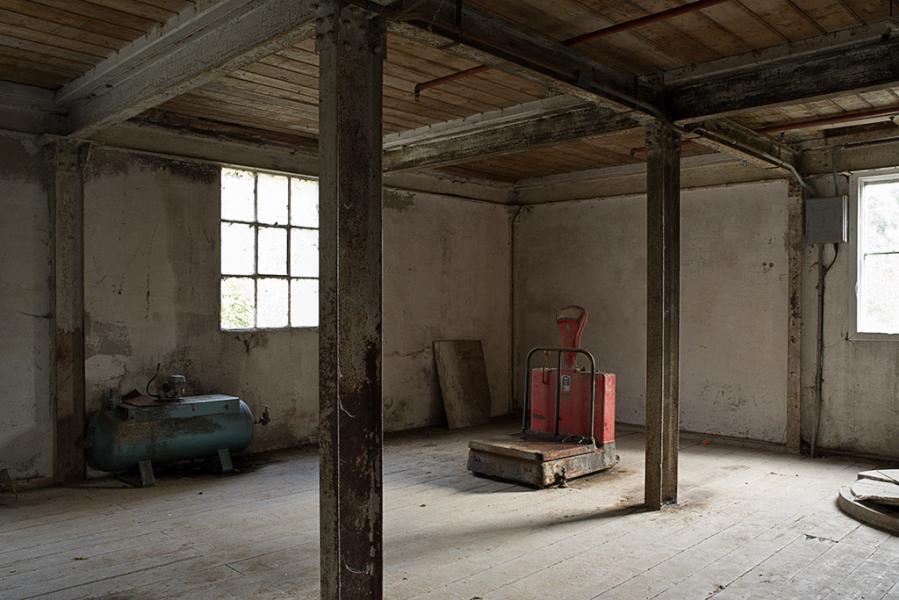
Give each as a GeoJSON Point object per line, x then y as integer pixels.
{"type": "Point", "coordinates": [568, 418]}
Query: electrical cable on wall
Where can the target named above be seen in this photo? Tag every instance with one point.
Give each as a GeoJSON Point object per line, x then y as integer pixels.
{"type": "Point", "coordinates": [822, 285]}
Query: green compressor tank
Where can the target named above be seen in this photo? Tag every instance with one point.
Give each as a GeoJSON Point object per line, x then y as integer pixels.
{"type": "Point", "coordinates": [144, 431]}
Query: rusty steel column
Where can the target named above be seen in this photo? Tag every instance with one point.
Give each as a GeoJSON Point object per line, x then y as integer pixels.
{"type": "Point", "coordinates": [64, 159]}
{"type": "Point", "coordinates": [796, 249]}
{"type": "Point", "coordinates": [351, 45]}
{"type": "Point", "coordinates": [662, 313]}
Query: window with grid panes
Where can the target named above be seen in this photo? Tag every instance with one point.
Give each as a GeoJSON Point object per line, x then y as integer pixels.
{"type": "Point", "coordinates": [269, 248]}
{"type": "Point", "coordinates": [877, 255]}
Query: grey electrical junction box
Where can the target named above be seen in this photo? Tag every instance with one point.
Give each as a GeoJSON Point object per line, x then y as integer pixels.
{"type": "Point", "coordinates": [827, 220]}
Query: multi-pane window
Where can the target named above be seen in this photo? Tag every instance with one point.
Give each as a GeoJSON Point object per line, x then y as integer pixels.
{"type": "Point", "coordinates": [877, 306]}
{"type": "Point", "coordinates": [269, 251]}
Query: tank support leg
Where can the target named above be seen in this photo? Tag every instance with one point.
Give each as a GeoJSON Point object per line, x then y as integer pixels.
{"type": "Point", "coordinates": [147, 477]}
{"type": "Point", "coordinates": [225, 459]}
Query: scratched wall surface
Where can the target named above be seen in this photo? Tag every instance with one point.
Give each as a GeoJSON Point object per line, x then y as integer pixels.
{"type": "Point", "coordinates": [26, 440]}
{"type": "Point", "coordinates": [152, 289]}
{"type": "Point", "coordinates": [733, 299]}
{"type": "Point", "coordinates": [860, 411]}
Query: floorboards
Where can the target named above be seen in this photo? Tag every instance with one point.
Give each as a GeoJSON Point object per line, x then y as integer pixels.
{"type": "Point", "coordinates": [751, 524]}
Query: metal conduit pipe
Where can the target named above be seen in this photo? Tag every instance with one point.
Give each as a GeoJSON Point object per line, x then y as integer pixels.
{"type": "Point", "coordinates": [769, 158]}
{"type": "Point", "coordinates": [585, 37]}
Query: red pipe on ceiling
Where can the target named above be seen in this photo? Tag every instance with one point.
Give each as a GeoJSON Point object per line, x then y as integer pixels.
{"type": "Point", "coordinates": [586, 37]}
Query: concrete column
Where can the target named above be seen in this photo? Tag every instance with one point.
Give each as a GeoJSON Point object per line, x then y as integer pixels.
{"type": "Point", "coordinates": [794, 341]}
{"type": "Point", "coordinates": [351, 51]}
{"type": "Point", "coordinates": [662, 313]}
{"type": "Point", "coordinates": [67, 205]}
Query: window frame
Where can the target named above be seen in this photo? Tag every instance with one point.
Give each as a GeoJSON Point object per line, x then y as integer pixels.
{"type": "Point", "coordinates": [288, 227]}
{"type": "Point", "coordinates": [857, 180]}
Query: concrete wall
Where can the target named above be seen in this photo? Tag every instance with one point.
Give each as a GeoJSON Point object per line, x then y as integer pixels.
{"type": "Point", "coordinates": [446, 276]}
{"type": "Point", "coordinates": [151, 264]}
{"type": "Point", "coordinates": [152, 295]}
{"type": "Point", "coordinates": [861, 377]}
{"type": "Point", "coordinates": [733, 299]}
{"type": "Point", "coordinates": [26, 429]}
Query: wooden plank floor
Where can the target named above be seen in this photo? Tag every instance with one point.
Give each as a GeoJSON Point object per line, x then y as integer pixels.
{"type": "Point", "coordinates": [751, 524]}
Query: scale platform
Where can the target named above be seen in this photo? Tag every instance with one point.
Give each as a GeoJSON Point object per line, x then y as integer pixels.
{"type": "Point", "coordinates": [539, 463]}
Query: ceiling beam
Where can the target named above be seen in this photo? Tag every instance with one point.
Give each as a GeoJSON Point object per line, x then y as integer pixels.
{"type": "Point", "coordinates": [845, 38]}
{"type": "Point", "coordinates": [190, 57]}
{"type": "Point", "coordinates": [529, 126]}
{"type": "Point", "coordinates": [27, 97]}
{"type": "Point", "coordinates": [706, 170]}
{"type": "Point", "coordinates": [28, 109]}
{"type": "Point", "coordinates": [826, 73]}
{"type": "Point", "coordinates": [137, 55]}
{"type": "Point", "coordinates": [545, 123]}
{"type": "Point", "coordinates": [698, 97]}
{"type": "Point", "coordinates": [490, 40]}
{"type": "Point", "coordinates": [224, 35]}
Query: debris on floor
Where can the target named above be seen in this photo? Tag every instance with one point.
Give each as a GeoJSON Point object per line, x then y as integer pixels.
{"type": "Point", "coordinates": [873, 499]}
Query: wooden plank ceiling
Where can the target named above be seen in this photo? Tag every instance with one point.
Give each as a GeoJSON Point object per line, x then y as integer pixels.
{"type": "Point", "coordinates": [726, 29]}
{"type": "Point", "coordinates": [49, 42]}
{"type": "Point", "coordinates": [280, 92]}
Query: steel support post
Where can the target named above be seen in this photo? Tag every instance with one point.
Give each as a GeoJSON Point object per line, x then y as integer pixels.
{"type": "Point", "coordinates": [351, 45]}
{"type": "Point", "coordinates": [64, 159]}
{"type": "Point", "coordinates": [662, 312]}
{"type": "Point", "coordinates": [794, 342]}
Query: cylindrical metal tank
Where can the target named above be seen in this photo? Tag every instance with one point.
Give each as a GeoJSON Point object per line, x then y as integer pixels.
{"type": "Point", "coordinates": [164, 432]}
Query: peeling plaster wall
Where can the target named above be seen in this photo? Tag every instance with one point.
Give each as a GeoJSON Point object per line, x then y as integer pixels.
{"type": "Point", "coordinates": [26, 428]}
{"type": "Point", "coordinates": [734, 302]}
{"type": "Point", "coordinates": [152, 295]}
{"type": "Point", "coordinates": [861, 377]}
{"type": "Point", "coordinates": [151, 264]}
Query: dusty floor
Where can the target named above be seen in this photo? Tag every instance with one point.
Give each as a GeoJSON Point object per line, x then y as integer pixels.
{"type": "Point", "coordinates": [751, 524]}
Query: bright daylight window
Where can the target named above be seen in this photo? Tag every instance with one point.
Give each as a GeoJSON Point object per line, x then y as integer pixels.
{"type": "Point", "coordinates": [269, 251]}
{"type": "Point", "coordinates": [878, 255]}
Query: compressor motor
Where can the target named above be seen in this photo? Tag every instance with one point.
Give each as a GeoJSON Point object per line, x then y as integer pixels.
{"type": "Point", "coordinates": [172, 387]}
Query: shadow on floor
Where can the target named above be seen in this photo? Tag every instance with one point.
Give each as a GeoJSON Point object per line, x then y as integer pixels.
{"type": "Point", "coordinates": [502, 533]}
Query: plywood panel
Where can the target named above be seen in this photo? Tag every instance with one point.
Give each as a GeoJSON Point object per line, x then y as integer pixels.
{"type": "Point", "coordinates": [463, 382]}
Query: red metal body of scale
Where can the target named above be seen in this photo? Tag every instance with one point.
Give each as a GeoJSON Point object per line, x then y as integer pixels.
{"type": "Point", "coordinates": [568, 418]}
{"type": "Point", "coordinates": [574, 399]}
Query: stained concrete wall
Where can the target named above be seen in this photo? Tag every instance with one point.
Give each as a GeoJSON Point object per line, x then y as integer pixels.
{"type": "Point", "coordinates": [733, 299]}
{"type": "Point", "coordinates": [446, 276]}
{"type": "Point", "coordinates": [152, 295]}
{"type": "Point", "coordinates": [26, 430]}
{"type": "Point", "coordinates": [861, 377]}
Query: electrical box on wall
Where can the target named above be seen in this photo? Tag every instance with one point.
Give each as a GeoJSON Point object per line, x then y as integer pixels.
{"type": "Point", "coordinates": [827, 220]}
